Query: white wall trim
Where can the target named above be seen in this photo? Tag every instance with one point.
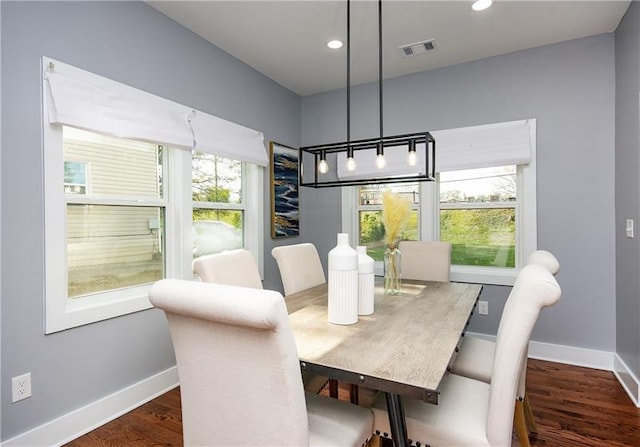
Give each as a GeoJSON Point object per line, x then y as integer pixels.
{"type": "Point", "coordinates": [627, 378]}
{"type": "Point", "coordinates": [82, 420]}
{"type": "Point", "coordinates": [589, 358]}
{"type": "Point", "coordinates": [570, 355]}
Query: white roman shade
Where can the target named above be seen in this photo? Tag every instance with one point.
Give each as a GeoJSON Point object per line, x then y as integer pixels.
{"type": "Point", "coordinates": [87, 101]}
{"type": "Point", "coordinates": [221, 137]}
{"type": "Point", "coordinates": [498, 144]}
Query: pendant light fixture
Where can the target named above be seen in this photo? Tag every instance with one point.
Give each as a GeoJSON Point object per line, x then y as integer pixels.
{"type": "Point", "coordinates": [391, 159]}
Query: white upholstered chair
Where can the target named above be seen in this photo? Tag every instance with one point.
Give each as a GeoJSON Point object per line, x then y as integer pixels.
{"type": "Point", "coordinates": [300, 267]}
{"type": "Point", "coordinates": [238, 268]}
{"type": "Point", "coordinates": [471, 413]}
{"type": "Point", "coordinates": [240, 375]}
{"type": "Point", "coordinates": [475, 359]}
{"type": "Point", "coordinates": [425, 260]}
{"type": "Point", "coordinates": [232, 267]}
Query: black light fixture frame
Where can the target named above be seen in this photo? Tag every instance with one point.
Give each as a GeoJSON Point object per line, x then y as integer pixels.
{"type": "Point", "coordinates": [427, 157]}
{"type": "Point", "coordinates": [428, 174]}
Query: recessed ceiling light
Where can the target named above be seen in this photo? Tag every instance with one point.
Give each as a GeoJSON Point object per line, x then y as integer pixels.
{"type": "Point", "coordinates": [481, 5]}
{"type": "Point", "coordinates": [334, 44]}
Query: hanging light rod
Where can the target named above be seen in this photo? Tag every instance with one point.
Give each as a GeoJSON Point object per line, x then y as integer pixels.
{"type": "Point", "coordinates": [390, 159]}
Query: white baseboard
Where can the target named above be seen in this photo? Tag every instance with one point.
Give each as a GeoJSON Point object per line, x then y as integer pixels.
{"type": "Point", "coordinates": [627, 378]}
{"type": "Point", "coordinates": [82, 420]}
{"type": "Point", "coordinates": [569, 355]}
{"type": "Point", "coordinates": [590, 358]}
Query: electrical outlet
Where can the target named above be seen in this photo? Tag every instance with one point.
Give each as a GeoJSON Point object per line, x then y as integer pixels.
{"type": "Point", "coordinates": [483, 307]}
{"type": "Point", "coordinates": [21, 387]}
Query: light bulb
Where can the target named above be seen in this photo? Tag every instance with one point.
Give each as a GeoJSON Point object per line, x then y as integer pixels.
{"type": "Point", "coordinates": [412, 158]}
{"type": "Point", "coordinates": [481, 5]}
{"type": "Point", "coordinates": [380, 161]}
{"type": "Point", "coordinates": [351, 164]}
{"type": "Point", "coordinates": [323, 166]}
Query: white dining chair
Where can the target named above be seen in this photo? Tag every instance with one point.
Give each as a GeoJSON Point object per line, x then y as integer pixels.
{"type": "Point", "coordinates": [471, 413]}
{"type": "Point", "coordinates": [475, 360]}
{"type": "Point", "coordinates": [300, 267]}
{"type": "Point", "coordinates": [231, 267]}
{"type": "Point", "coordinates": [240, 375]}
{"type": "Point", "coordinates": [425, 260]}
{"type": "Point", "coordinates": [239, 268]}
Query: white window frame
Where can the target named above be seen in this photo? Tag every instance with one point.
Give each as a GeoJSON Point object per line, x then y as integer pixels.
{"type": "Point", "coordinates": [63, 313]}
{"type": "Point", "coordinates": [526, 222]}
{"type": "Point", "coordinates": [181, 217]}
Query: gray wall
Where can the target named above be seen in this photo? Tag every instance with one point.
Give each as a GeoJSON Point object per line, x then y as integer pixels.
{"type": "Point", "coordinates": [131, 43]}
{"type": "Point", "coordinates": [627, 187]}
{"type": "Point", "coordinates": [569, 88]}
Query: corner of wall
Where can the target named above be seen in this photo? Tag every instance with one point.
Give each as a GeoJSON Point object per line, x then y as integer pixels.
{"type": "Point", "coordinates": [627, 379]}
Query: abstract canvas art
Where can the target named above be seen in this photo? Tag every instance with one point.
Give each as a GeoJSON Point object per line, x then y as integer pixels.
{"type": "Point", "coordinates": [285, 213]}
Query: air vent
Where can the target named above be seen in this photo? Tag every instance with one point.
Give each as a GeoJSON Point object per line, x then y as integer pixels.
{"type": "Point", "coordinates": [414, 49]}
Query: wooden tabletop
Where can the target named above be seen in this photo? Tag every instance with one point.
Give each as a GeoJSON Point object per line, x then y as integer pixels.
{"type": "Point", "coordinates": [404, 347]}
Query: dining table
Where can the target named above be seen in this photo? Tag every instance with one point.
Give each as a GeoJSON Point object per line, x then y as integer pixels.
{"type": "Point", "coordinates": [403, 349]}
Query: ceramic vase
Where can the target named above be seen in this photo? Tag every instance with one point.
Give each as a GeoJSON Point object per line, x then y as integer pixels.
{"type": "Point", "coordinates": [366, 281]}
{"type": "Point", "coordinates": [343, 282]}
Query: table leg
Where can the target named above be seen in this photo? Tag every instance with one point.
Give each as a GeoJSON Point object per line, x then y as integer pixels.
{"type": "Point", "coordinates": [396, 420]}
{"type": "Point", "coordinates": [333, 388]}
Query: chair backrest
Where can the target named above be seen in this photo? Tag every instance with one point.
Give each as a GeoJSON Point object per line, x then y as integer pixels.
{"type": "Point", "coordinates": [300, 267]}
{"type": "Point", "coordinates": [548, 261]}
{"type": "Point", "coordinates": [232, 267]}
{"type": "Point", "coordinates": [240, 380]}
{"type": "Point", "coordinates": [534, 289]}
{"type": "Point", "coordinates": [425, 260]}
{"type": "Point", "coordinates": [545, 259]}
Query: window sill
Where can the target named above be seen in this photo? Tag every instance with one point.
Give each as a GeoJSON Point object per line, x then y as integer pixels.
{"type": "Point", "coordinates": [484, 275]}
{"type": "Point", "coordinates": [476, 275]}
{"type": "Point", "coordinates": [70, 313]}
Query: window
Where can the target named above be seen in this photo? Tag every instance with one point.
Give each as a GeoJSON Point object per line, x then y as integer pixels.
{"type": "Point", "coordinates": [478, 215]}
{"type": "Point", "coordinates": [115, 234]}
{"type": "Point", "coordinates": [218, 204]}
{"type": "Point", "coordinates": [487, 213]}
{"type": "Point", "coordinates": [370, 227]}
{"type": "Point", "coordinates": [116, 229]}
{"type": "Point", "coordinates": [127, 201]}
{"type": "Point", "coordinates": [75, 177]}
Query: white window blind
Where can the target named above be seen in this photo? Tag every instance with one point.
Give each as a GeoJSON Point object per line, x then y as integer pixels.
{"type": "Point", "coordinates": [216, 136]}
{"type": "Point", "coordinates": [88, 101]}
{"type": "Point", "coordinates": [498, 144]}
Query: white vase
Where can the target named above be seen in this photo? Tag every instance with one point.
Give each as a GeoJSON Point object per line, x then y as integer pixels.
{"type": "Point", "coordinates": [343, 282]}
{"type": "Point", "coordinates": [366, 281]}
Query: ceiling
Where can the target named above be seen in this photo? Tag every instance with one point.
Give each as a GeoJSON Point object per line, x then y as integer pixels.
{"type": "Point", "coordinates": [286, 40]}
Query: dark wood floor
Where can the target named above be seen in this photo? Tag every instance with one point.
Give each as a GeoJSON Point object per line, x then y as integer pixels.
{"type": "Point", "coordinates": [573, 406]}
